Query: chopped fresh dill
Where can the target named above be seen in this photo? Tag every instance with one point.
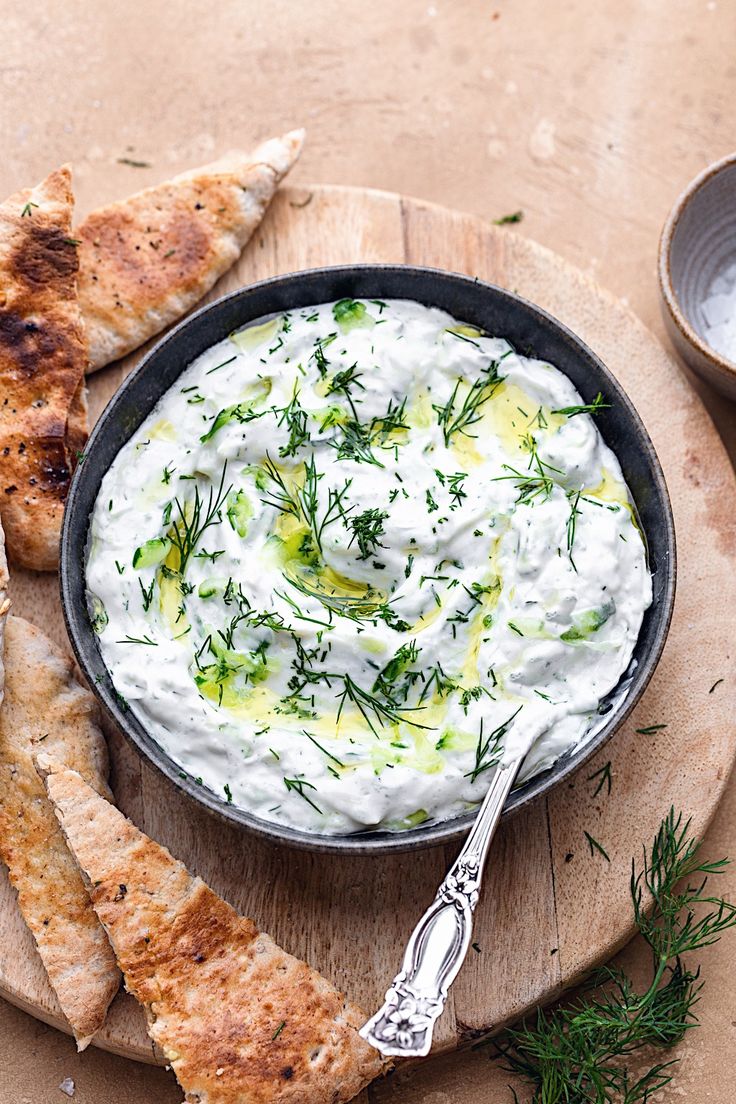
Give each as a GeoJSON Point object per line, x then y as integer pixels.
{"type": "Point", "coordinates": [295, 418]}
{"type": "Point", "coordinates": [459, 420]}
{"type": "Point", "coordinates": [223, 364]}
{"type": "Point", "coordinates": [584, 408]}
{"type": "Point", "coordinates": [489, 748]}
{"type": "Point", "coordinates": [604, 778]}
{"type": "Point", "coordinates": [574, 499]}
{"type": "Point", "coordinates": [507, 220]}
{"type": "Point", "coordinates": [193, 520]}
{"type": "Point", "coordinates": [367, 529]}
{"type": "Point", "coordinates": [539, 419]}
{"type": "Point", "coordinates": [298, 785]}
{"type": "Point", "coordinates": [303, 503]}
{"type": "Point", "coordinates": [322, 749]}
{"type": "Point", "coordinates": [462, 337]}
{"type": "Point", "coordinates": [537, 481]}
{"type": "Point", "coordinates": [384, 712]}
{"type": "Point", "coordinates": [146, 593]}
{"type": "Point", "coordinates": [594, 846]}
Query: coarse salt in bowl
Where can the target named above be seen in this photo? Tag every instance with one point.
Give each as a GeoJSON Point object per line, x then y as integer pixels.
{"type": "Point", "coordinates": [697, 275]}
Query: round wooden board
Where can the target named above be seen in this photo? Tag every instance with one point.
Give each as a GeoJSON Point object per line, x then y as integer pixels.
{"type": "Point", "coordinates": [550, 909]}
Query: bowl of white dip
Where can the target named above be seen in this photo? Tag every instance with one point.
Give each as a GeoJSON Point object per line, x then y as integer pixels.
{"type": "Point", "coordinates": [349, 538]}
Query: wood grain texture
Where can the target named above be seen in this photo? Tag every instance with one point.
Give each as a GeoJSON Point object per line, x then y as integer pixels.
{"type": "Point", "coordinates": [542, 922]}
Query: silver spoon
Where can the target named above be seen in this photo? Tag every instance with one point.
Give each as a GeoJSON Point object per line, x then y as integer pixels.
{"type": "Point", "coordinates": [437, 947]}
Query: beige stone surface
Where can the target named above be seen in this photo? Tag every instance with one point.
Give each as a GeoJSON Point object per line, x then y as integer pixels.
{"type": "Point", "coordinates": [588, 117]}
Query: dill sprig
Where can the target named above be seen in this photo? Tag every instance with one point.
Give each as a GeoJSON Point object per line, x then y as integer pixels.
{"type": "Point", "coordinates": [303, 502]}
{"type": "Point", "coordinates": [299, 612]}
{"type": "Point", "coordinates": [536, 463]}
{"type": "Point", "coordinates": [364, 607]}
{"type": "Point", "coordinates": [294, 416]}
{"type": "Point", "coordinates": [577, 1054]}
{"type": "Point", "coordinates": [356, 439]}
{"type": "Point", "coordinates": [374, 709]}
{"type": "Point", "coordinates": [280, 497]}
{"type": "Point", "coordinates": [605, 778]}
{"type": "Point", "coordinates": [595, 845]}
{"type": "Point", "coordinates": [537, 480]}
{"type": "Point", "coordinates": [454, 484]}
{"type": "Point", "coordinates": [672, 928]}
{"type": "Point", "coordinates": [528, 487]}
{"type": "Point", "coordinates": [193, 521]}
{"type": "Point", "coordinates": [355, 443]}
{"type": "Point", "coordinates": [335, 509]}
{"type": "Point", "coordinates": [318, 356]}
{"type": "Point", "coordinates": [323, 749]}
{"type": "Point", "coordinates": [343, 382]}
{"type": "Point", "coordinates": [584, 408]}
{"type": "Point", "coordinates": [392, 420]}
{"type": "Point", "coordinates": [489, 748]}
{"type": "Point", "coordinates": [436, 682]}
{"type": "Point", "coordinates": [452, 420]}
{"type": "Point", "coordinates": [384, 710]}
{"type": "Point", "coordinates": [574, 499]}
{"type": "Point", "coordinates": [539, 420]}
{"type": "Point", "coordinates": [298, 785]}
{"type": "Point", "coordinates": [147, 593]}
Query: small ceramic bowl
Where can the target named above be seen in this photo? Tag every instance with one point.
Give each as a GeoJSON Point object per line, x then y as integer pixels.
{"type": "Point", "coordinates": [698, 243]}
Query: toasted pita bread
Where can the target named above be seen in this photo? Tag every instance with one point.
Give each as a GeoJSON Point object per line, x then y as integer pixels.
{"type": "Point", "coordinates": [145, 260]}
{"type": "Point", "coordinates": [240, 1021]}
{"type": "Point", "coordinates": [4, 607]}
{"type": "Point", "coordinates": [45, 707]}
{"type": "Point", "coordinates": [42, 362]}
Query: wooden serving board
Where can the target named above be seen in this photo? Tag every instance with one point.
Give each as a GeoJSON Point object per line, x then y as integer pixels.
{"type": "Point", "coordinates": [551, 908]}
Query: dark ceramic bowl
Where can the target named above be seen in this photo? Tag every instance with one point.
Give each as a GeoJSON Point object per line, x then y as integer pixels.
{"type": "Point", "coordinates": [698, 242]}
{"type": "Point", "coordinates": [498, 312]}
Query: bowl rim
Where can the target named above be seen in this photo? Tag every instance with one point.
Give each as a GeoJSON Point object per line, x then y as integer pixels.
{"type": "Point", "coordinates": [725, 366]}
{"type": "Point", "coordinates": [380, 842]}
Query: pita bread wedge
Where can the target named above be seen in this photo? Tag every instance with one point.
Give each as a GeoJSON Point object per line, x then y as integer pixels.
{"type": "Point", "coordinates": [45, 707]}
{"type": "Point", "coordinates": [42, 363]}
{"type": "Point", "coordinates": [240, 1021]}
{"type": "Point", "coordinates": [4, 607]}
{"type": "Point", "coordinates": [145, 260]}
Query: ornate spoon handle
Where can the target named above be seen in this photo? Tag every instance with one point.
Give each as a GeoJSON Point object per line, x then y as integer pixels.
{"type": "Point", "coordinates": [436, 950]}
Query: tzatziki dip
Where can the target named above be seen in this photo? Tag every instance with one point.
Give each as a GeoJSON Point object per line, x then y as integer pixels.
{"type": "Point", "coordinates": [359, 555]}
